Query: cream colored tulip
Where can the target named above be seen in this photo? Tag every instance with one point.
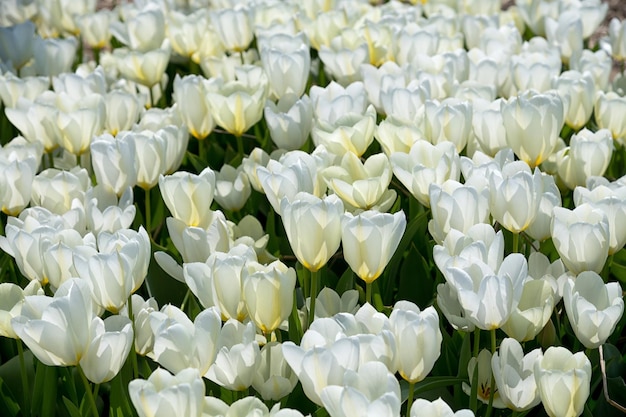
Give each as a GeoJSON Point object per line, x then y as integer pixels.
{"type": "Point", "coordinates": [533, 123]}
{"type": "Point", "coordinates": [533, 311]}
{"type": "Point", "coordinates": [313, 241]}
{"type": "Point", "coordinates": [426, 164]}
{"type": "Point", "coordinates": [238, 105]}
{"type": "Point", "coordinates": [584, 227]}
{"type": "Point", "coordinates": [513, 372]}
{"type": "Point", "coordinates": [369, 240]}
{"type": "Point", "coordinates": [593, 307]}
{"type": "Point", "coordinates": [289, 121]}
{"type": "Point", "coordinates": [268, 293]}
{"type": "Point", "coordinates": [563, 380]}
{"type": "Point", "coordinates": [362, 185]}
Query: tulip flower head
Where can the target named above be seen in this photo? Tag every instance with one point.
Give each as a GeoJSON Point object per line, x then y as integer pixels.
{"type": "Point", "coordinates": [563, 380]}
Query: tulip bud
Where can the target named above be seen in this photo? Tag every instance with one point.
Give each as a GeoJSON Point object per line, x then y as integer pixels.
{"type": "Point", "coordinates": [426, 164]}
{"type": "Point", "coordinates": [359, 232]}
{"type": "Point", "coordinates": [568, 373]}
{"type": "Point", "coordinates": [532, 124]}
{"type": "Point", "coordinates": [273, 378]}
{"type": "Point", "coordinates": [513, 372]}
{"type": "Point", "coordinates": [289, 121]}
{"type": "Point", "coordinates": [583, 227]}
{"type": "Point", "coordinates": [418, 339]}
{"type": "Point", "coordinates": [164, 394]}
{"type": "Point", "coordinates": [313, 241]}
{"type": "Point", "coordinates": [593, 308]}
{"type": "Point", "coordinates": [268, 293]}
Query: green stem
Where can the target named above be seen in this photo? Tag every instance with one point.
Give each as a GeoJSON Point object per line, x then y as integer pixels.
{"type": "Point", "coordinates": [493, 380]}
{"type": "Point", "coordinates": [515, 242]}
{"type": "Point", "coordinates": [152, 104]}
{"type": "Point", "coordinates": [315, 276]}
{"type": "Point", "coordinates": [148, 209]}
{"type": "Point", "coordinates": [133, 351]}
{"type": "Point", "coordinates": [50, 159]}
{"type": "Point", "coordinates": [240, 146]}
{"type": "Point", "coordinates": [88, 392]}
{"type": "Point", "coordinates": [96, 55]}
{"type": "Point", "coordinates": [243, 62]}
{"type": "Point", "coordinates": [368, 292]}
{"type": "Point", "coordinates": [409, 401]}
{"type": "Point", "coordinates": [185, 300]}
{"type": "Point", "coordinates": [476, 342]}
{"type": "Point", "coordinates": [25, 389]}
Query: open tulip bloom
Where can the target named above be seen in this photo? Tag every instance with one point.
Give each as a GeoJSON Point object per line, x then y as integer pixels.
{"type": "Point", "coordinates": [352, 207]}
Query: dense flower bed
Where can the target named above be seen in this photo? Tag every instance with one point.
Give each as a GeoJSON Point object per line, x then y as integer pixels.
{"type": "Point", "coordinates": [288, 208]}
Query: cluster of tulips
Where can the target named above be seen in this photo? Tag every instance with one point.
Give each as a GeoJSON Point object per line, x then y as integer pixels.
{"type": "Point", "coordinates": [178, 177]}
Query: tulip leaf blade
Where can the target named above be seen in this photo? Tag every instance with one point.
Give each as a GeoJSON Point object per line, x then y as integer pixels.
{"type": "Point", "coordinates": [71, 408]}
{"type": "Point", "coordinates": [8, 406]}
{"type": "Point", "coordinates": [346, 282]}
{"type": "Point", "coordinates": [429, 384]}
{"type": "Point", "coordinates": [415, 283]}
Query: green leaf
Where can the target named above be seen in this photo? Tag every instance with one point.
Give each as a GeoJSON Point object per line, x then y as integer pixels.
{"type": "Point", "coordinates": [71, 407]}
{"type": "Point", "coordinates": [391, 271]}
{"type": "Point", "coordinates": [415, 283]}
{"type": "Point", "coordinates": [8, 406]}
{"type": "Point", "coordinates": [49, 394]}
{"type": "Point", "coordinates": [346, 282]}
{"type": "Point", "coordinates": [428, 384]}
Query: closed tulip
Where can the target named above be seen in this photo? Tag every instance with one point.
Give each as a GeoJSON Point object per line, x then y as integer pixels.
{"type": "Point", "coordinates": [110, 345]}
{"type": "Point", "coordinates": [190, 94]}
{"type": "Point", "coordinates": [563, 380]}
{"type": "Point", "coordinates": [320, 366]}
{"type": "Point", "coordinates": [164, 394]}
{"type": "Point", "coordinates": [313, 241]}
{"type": "Point", "coordinates": [589, 154]}
{"type": "Point", "coordinates": [448, 120]}
{"type": "Point", "coordinates": [437, 408]}
{"type": "Point", "coordinates": [273, 378]}
{"type": "Point", "coordinates": [424, 165]}
{"type": "Point", "coordinates": [13, 87]}
{"type": "Point", "coordinates": [232, 188]}
{"type": "Point", "coordinates": [578, 93]}
{"type": "Point", "coordinates": [369, 240]}
{"type": "Point", "coordinates": [474, 280]}
{"type": "Point", "coordinates": [113, 161]}
{"type": "Point", "coordinates": [58, 330]}
{"type": "Point", "coordinates": [237, 356]}
{"type": "Point", "coordinates": [16, 184]}
{"type": "Point", "coordinates": [418, 340]}
{"type": "Point", "coordinates": [583, 227]}
{"type": "Point", "coordinates": [234, 28]}
{"type": "Point", "coordinates": [289, 121]}
{"type": "Point", "coordinates": [287, 62]}
{"type": "Point", "coordinates": [513, 372]}
{"type": "Point", "coordinates": [352, 132]}
{"type": "Point", "coordinates": [533, 311]}
{"type": "Point", "coordinates": [593, 307]}
{"type": "Point", "coordinates": [145, 68]}
{"type": "Point", "coordinates": [456, 206]}
{"type": "Point", "coordinates": [268, 293]}
{"type": "Point", "coordinates": [515, 195]}
{"type": "Point", "coordinates": [11, 302]}
{"type": "Point", "coordinates": [189, 196]}
{"type": "Point", "coordinates": [122, 111]}
{"type": "Point", "coordinates": [238, 105]}
{"type": "Point", "coordinates": [612, 201]}
{"type": "Point", "coordinates": [543, 113]}
{"type": "Point", "coordinates": [372, 390]}
{"type": "Point", "coordinates": [607, 108]}
{"type": "Point", "coordinates": [142, 32]}
{"type": "Point", "coordinates": [180, 343]}
{"type": "Point", "coordinates": [56, 189]}
{"type": "Point", "coordinates": [393, 135]}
